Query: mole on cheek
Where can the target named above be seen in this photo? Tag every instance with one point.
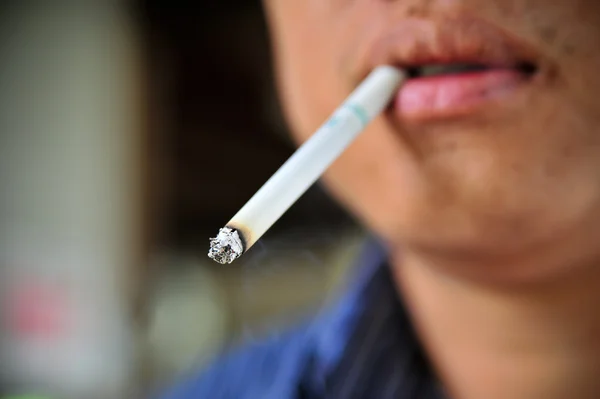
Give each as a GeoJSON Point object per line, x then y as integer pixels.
{"type": "Point", "coordinates": [412, 11]}
{"type": "Point", "coordinates": [548, 34]}
{"type": "Point", "coordinates": [567, 152]}
{"type": "Point", "coordinates": [551, 170]}
{"type": "Point", "coordinates": [418, 9]}
{"type": "Point", "coordinates": [568, 48]}
{"type": "Point", "coordinates": [450, 146]}
{"type": "Point", "coordinates": [516, 168]}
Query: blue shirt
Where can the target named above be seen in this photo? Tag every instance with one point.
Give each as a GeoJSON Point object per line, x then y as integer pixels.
{"type": "Point", "coordinates": [362, 347]}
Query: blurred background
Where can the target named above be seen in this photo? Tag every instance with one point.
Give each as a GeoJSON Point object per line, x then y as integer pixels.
{"type": "Point", "coordinates": [130, 131]}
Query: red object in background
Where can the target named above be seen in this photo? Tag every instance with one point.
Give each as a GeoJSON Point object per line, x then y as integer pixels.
{"type": "Point", "coordinates": [37, 311]}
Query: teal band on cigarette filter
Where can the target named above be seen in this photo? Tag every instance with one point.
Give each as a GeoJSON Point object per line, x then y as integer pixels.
{"type": "Point", "coordinates": [359, 112]}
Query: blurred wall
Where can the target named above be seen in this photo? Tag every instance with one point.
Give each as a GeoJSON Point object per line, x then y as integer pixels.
{"type": "Point", "coordinates": [217, 126]}
{"type": "Point", "coordinates": [70, 140]}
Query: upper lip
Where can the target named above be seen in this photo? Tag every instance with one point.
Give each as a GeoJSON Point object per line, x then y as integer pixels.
{"type": "Point", "coordinates": [413, 43]}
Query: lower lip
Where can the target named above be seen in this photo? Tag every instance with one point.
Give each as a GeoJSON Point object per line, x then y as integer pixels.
{"type": "Point", "coordinates": [453, 95]}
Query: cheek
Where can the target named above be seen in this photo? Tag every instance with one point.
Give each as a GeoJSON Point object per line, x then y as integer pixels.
{"type": "Point", "coordinates": [375, 177]}
{"type": "Point", "coordinates": [309, 84]}
{"type": "Point", "coordinates": [318, 48]}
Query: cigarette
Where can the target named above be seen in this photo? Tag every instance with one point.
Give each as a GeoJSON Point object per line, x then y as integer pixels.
{"type": "Point", "coordinates": [306, 165]}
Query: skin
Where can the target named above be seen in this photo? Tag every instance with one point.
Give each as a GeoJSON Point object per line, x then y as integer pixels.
{"type": "Point", "coordinates": [491, 219]}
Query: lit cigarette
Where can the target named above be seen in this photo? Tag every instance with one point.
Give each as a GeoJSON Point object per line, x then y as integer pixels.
{"type": "Point", "coordinates": [306, 165]}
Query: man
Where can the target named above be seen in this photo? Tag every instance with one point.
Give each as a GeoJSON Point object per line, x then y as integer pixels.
{"type": "Point", "coordinates": [483, 183]}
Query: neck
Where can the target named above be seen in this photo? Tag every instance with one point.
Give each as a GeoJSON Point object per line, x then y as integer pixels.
{"type": "Point", "coordinates": [500, 342]}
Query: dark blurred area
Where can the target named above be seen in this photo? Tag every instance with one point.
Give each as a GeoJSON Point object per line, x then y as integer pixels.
{"type": "Point", "coordinates": [130, 131]}
{"type": "Point", "coordinates": [212, 85]}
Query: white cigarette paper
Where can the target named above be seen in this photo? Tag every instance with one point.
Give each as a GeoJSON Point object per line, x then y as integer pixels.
{"type": "Point", "coordinates": [306, 165]}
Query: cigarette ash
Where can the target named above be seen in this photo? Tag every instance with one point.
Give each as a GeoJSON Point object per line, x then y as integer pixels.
{"type": "Point", "coordinates": [226, 247]}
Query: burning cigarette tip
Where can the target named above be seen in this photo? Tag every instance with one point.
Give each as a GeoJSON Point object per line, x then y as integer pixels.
{"type": "Point", "coordinates": [226, 247]}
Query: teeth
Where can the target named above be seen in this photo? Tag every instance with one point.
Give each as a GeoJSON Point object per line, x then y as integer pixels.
{"type": "Point", "coordinates": [432, 70]}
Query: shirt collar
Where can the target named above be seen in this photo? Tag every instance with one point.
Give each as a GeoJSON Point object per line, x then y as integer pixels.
{"type": "Point", "coordinates": [365, 341]}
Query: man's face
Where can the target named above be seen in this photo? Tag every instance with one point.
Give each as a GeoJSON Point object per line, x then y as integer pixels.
{"type": "Point", "coordinates": [493, 163]}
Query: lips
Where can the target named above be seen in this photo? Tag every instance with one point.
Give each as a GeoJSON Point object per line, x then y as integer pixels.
{"type": "Point", "coordinates": [456, 67]}
{"type": "Point", "coordinates": [451, 90]}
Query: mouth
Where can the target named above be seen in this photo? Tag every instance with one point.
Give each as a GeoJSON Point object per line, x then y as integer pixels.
{"type": "Point", "coordinates": [458, 89]}
{"type": "Point", "coordinates": [455, 67]}
{"type": "Point", "coordinates": [527, 69]}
